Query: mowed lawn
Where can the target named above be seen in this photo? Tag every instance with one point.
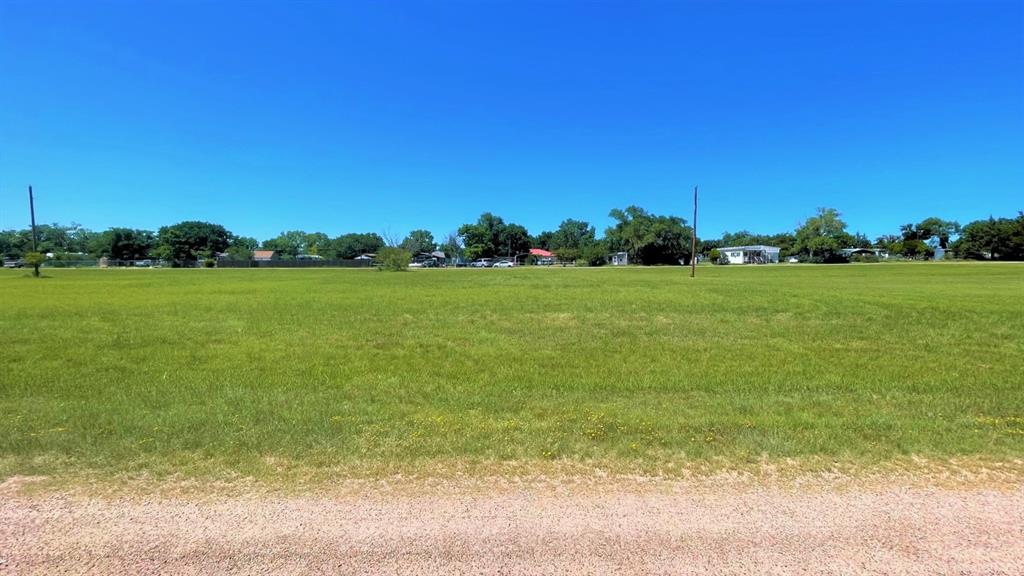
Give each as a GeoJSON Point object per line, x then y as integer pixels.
{"type": "Point", "coordinates": [264, 373]}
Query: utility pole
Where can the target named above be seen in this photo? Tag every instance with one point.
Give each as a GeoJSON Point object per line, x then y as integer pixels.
{"type": "Point", "coordinates": [693, 238]}
{"type": "Point", "coordinates": [32, 211]}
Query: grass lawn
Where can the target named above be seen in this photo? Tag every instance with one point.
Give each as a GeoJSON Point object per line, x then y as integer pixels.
{"type": "Point", "coordinates": [279, 373]}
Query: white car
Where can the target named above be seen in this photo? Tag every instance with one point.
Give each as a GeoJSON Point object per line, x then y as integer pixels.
{"type": "Point", "coordinates": [503, 264]}
{"type": "Point", "coordinates": [793, 260]}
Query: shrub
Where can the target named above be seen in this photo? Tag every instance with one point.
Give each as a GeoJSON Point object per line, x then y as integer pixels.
{"type": "Point", "coordinates": [831, 258]}
{"type": "Point", "coordinates": [568, 254]}
{"type": "Point", "coordinates": [209, 263]}
{"type": "Point", "coordinates": [35, 260]}
{"type": "Point", "coordinates": [715, 256]}
{"type": "Point", "coordinates": [864, 258]}
{"type": "Point", "coordinates": [393, 259]}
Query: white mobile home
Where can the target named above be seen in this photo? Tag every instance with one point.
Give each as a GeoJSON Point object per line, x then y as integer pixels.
{"type": "Point", "coordinates": [750, 254]}
{"type": "Point", "coordinates": [880, 252]}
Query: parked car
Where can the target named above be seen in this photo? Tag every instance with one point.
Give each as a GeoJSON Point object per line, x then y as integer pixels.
{"type": "Point", "coordinates": [481, 263]}
{"type": "Point", "coordinates": [14, 264]}
{"type": "Point", "coordinates": [793, 260]}
{"type": "Point", "coordinates": [504, 264]}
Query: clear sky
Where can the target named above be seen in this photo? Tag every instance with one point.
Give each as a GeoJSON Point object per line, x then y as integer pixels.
{"type": "Point", "coordinates": [388, 116]}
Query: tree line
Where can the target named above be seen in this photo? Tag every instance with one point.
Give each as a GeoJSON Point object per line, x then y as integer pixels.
{"type": "Point", "coordinates": [648, 238]}
{"type": "Point", "coordinates": [822, 237]}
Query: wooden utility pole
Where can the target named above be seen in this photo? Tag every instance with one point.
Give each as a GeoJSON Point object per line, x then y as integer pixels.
{"type": "Point", "coordinates": [32, 211]}
{"type": "Point", "coordinates": [693, 238]}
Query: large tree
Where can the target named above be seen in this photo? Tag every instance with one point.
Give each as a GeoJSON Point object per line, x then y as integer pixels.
{"type": "Point", "coordinates": [124, 244]}
{"type": "Point", "coordinates": [191, 240]}
{"type": "Point", "coordinates": [317, 244]}
{"type": "Point", "coordinates": [649, 238]}
{"type": "Point", "coordinates": [490, 236]}
{"type": "Point", "coordinates": [287, 245]}
{"type": "Point", "coordinates": [348, 246]}
{"type": "Point", "coordinates": [15, 243]}
{"type": "Point", "coordinates": [995, 238]}
{"type": "Point", "coordinates": [242, 247]}
{"type": "Point", "coordinates": [822, 235]}
{"type": "Point", "coordinates": [419, 241]}
{"type": "Point", "coordinates": [925, 230]}
{"type": "Point", "coordinates": [573, 234]}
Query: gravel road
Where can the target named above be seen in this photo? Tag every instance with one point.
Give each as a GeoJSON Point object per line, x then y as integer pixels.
{"type": "Point", "coordinates": [670, 529]}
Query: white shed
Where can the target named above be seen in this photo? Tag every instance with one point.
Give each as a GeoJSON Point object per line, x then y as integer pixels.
{"type": "Point", "coordinates": [750, 254]}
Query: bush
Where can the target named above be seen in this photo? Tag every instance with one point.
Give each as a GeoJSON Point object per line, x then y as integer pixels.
{"type": "Point", "coordinates": [35, 260]}
{"type": "Point", "coordinates": [714, 256]}
{"type": "Point", "coordinates": [209, 263]}
{"type": "Point", "coordinates": [393, 259]}
{"type": "Point", "coordinates": [865, 258]}
{"type": "Point", "coordinates": [827, 258]}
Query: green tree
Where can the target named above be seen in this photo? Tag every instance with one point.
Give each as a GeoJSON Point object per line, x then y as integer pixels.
{"type": "Point", "coordinates": [886, 242]}
{"type": "Point", "coordinates": [188, 241]}
{"type": "Point", "coordinates": [914, 249]}
{"type": "Point", "coordinates": [14, 243]}
{"type": "Point", "coordinates": [822, 235]}
{"type": "Point", "coordinates": [994, 238]}
{"type": "Point", "coordinates": [649, 238]}
{"type": "Point", "coordinates": [35, 260]}
{"type": "Point", "coordinates": [348, 246]}
{"type": "Point", "coordinates": [575, 234]}
{"type": "Point", "coordinates": [490, 236]}
{"type": "Point", "coordinates": [242, 247]}
{"type": "Point", "coordinates": [419, 241]}
{"type": "Point", "coordinates": [936, 228]}
{"type": "Point", "coordinates": [543, 240]}
{"type": "Point", "coordinates": [287, 245]}
{"type": "Point", "coordinates": [393, 259]}
{"type": "Point", "coordinates": [317, 244]}
{"type": "Point", "coordinates": [482, 238]}
{"type": "Point", "coordinates": [123, 244]}
{"type": "Point", "coordinates": [515, 239]}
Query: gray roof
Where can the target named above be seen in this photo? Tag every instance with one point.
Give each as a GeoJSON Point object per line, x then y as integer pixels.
{"type": "Point", "coordinates": [759, 247]}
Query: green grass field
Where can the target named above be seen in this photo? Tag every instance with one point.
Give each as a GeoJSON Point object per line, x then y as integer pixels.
{"type": "Point", "coordinates": [312, 373]}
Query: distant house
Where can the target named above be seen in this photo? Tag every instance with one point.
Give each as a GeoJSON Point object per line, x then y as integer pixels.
{"type": "Point", "coordinates": [429, 259]}
{"type": "Point", "coordinates": [619, 259]}
{"type": "Point", "coordinates": [262, 255]}
{"type": "Point", "coordinates": [880, 252]}
{"type": "Point", "coordinates": [750, 254]}
{"type": "Point", "coordinates": [542, 256]}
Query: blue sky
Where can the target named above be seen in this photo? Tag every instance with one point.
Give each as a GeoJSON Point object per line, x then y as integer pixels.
{"type": "Point", "coordinates": [389, 116]}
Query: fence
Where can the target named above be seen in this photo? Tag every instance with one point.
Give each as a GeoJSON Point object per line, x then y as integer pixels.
{"type": "Point", "coordinates": [325, 263]}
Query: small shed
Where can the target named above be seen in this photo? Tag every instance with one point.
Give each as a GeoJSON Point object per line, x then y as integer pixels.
{"type": "Point", "coordinates": [619, 259]}
{"type": "Point", "coordinates": [263, 255]}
